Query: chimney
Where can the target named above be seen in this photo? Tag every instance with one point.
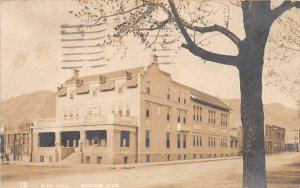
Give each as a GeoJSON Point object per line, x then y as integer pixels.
{"type": "Point", "coordinates": [154, 58]}
{"type": "Point", "coordinates": [75, 73]}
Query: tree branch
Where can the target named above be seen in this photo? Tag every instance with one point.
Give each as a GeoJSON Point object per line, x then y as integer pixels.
{"type": "Point", "coordinates": [286, 5]}
{"type": "Point", "coordinates": [214, 28]}
{"type": "Point", "coordinates": [196, 50]}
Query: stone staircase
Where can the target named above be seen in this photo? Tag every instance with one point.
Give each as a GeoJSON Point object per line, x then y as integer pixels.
{"type": "Point", "coordinates": [74, 158]}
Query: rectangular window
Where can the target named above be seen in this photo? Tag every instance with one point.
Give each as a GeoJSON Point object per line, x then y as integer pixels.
{"type": "Point", "coordinates": [148, 87]}
{"type": "Point", "coordinates": [194, 140]}
{"type": "Point", "coordinates": [209, 141]}
{"type": "Point", "coordinates": [128, 110]}
{"type": "Point", "coordinates": [178, 118]}
{"type": "Point", "coordinates": [147, 138]}
{"type": "Point", "coordinates": [169, 94]}
{"type": "Point", "coordinates": [214, 117]}
{"type": "Point", "coordinates": [200, 139]}
{"type": "Point", "coordinates": [184, 141]}
{"type": "Point", "coordinates": [178, 140]}
{"type": "Point", "coordinates": [168, 144]}
{"type": "Point", "coordinates": [197, 140]}
{"type": "Point", "coordinates": [200, 114]}
{"type": "Point", "coordinates": [208, 116]}
{"type": "Point", "coordinates": [120, 110]}
{"type": "Point", "coordinates": [179, 97]}
{"type": "Point", "coordinates": [184, 100]}
{"type": "Point", "coordinates": [77, 113]}
{"type": "Point", "coordinates": [125, 136]}
{"type": "Point", "coordinates": [184, 118]}
{"type": "Point", "coordinates": [71, 96]}
{"type": "Point", "coordinates": [71, 114]}
{"type": "Point", "coordinates": [194, 115]}
{"type": "Point", "coordinates": [147, 110]}
{"type": "Point", "coordinates": [148, 158]}
{"type": "Point", "coordinates": [197, 113]}
{"type": "Point", "coordinates": [168, 114]}
{"type": "Point", "coordinates": [65, 114]}
{"type": "Point", "coordinates": [113, 108]}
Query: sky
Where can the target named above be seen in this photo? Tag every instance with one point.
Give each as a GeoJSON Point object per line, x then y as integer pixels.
{"type": "Point", "coordinates": [31, 57]}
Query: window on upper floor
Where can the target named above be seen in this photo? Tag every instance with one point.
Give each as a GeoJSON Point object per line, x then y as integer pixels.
{"type": "Point", "coordinates": [120, 90]}
{"type": "Point", "coordinates": [148, 110]}
{"type": "Point", "coordinates": [112, 108]}
{"type": "Point", "coordinates": [178, 117]}
{"type": "Point", "coordinates": [169, 94]}
{"type": "Point", "coordinates": [178, 140]}
{"type": "Point", "coordinates": [179, 97]}
{"type": "Point", "coordinates": [70, 114]}
{"type": "Point", "coordinates": [77, 113]}
{"type": "Point", "coordinates": [65, 114]}
{"type": "Point", "coordinates": [200, 114]}
{"type": "Point", "coordinates": [214, 117]}
{"type": "Point", "coordinates": [168, 114]}
{"type": "Point", "coordinates": [148, 87]}
{"type": "Point", "coordinates": [184, 118]}
{"type": "Point", "coordinates": [120, 110]}
{"type": "Point", "coordinates": [194, 115]}
{"type": "Point", "coordinates": [147, 138]}
{"type": "Point", "coordinates": [127, 110]}
{"type": "Point", "coordinates": [184, 141]}
{"type": "Point", "coordinates": [168, 142]}
{"type": "Point", "coordinates": [184, 99]}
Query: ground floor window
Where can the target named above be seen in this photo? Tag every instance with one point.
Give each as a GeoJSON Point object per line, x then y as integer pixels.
{"type": "Point", "coordinates": [168, 157]}
{"type": "Point", "coordinates": [184, 157]}
{"type": "Point", "coordinates": [47, 139]}
{"type": "Point", "coordinates": [124, 141]}
{"type": "Point", "coordinates": [179, 157]}
{"type": "Point", "coordinates": [42, 158]}
{"type": "Point", "coordinates": [96, 137]}
{"type": "Point", "coordinates": [70, 138]}
{"type": "Point", "coordinates": [148, 158]}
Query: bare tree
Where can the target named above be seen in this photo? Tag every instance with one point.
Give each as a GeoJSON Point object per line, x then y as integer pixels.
{"type": "Point", "coordinates": [144, 16]}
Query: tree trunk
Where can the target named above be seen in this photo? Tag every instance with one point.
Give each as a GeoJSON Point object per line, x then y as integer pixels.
{"type": "Point", "coordinates": [252, 116]}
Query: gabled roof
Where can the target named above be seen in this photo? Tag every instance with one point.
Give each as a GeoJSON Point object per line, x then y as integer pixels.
{"type": "Point", "coordinates": [208, 100]}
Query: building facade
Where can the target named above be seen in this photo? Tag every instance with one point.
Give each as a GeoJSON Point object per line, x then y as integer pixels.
{"type": "Point", "coordinates": [129, 116]}
{"type": "Point", "coordinates": [16, 141]}
{"type": "Point", "coordinates": [274, 139]}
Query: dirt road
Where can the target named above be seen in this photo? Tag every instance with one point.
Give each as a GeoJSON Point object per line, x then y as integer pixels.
{"type": "Point", "coordinates": [283, 171]}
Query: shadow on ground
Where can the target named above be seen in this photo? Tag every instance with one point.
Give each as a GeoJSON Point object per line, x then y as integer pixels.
{"type": "Point", "coordinates": [286, 176]}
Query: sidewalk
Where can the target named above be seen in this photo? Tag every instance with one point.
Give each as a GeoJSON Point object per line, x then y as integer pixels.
{"type": "Point", "coordinates": [121, 166]}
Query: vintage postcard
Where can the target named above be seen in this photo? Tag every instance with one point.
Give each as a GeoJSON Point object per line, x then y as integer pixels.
{"type": "Point", "coordinates": [150, 93]}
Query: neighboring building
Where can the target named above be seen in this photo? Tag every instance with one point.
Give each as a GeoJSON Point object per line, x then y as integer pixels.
{"type": "Point", "coordinates": [293, 146]}
{"type": "Point", "coordinates": [128, 116]}
{"type": "Point", "coordinates": [16, 142]}
{"type": "Point", "coordinates": [234, 146]}
{"type": "Point", "coordinates": [274, 139]}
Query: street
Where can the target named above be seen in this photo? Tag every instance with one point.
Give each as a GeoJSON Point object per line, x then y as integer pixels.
{"type": "Point", "coordinates": [283, 170]}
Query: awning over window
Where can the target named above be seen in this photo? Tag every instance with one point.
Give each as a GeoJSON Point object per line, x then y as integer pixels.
{"type": "Point", "coordinates": [108, 86]}
{"type": "Point", "coordinates": [83, 89]}
{"type": "Point", "coordinates": [133, 82]}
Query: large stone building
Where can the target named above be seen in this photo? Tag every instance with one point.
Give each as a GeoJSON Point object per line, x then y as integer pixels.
{"type": "Point", "coordinates": [128, 116]}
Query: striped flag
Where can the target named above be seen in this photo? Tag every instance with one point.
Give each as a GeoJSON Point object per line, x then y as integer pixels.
{"type": "Point", "coordinates": [82, 46]}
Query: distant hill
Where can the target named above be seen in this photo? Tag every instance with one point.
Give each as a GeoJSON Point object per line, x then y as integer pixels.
{"type": "Point", "coordinates": [40, 104]}
{"type": "Point", "coordinates": [275, 114]}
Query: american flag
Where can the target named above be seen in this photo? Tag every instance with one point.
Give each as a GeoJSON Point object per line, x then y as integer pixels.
{"type": "Point", "coordinates": [82, 46]}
